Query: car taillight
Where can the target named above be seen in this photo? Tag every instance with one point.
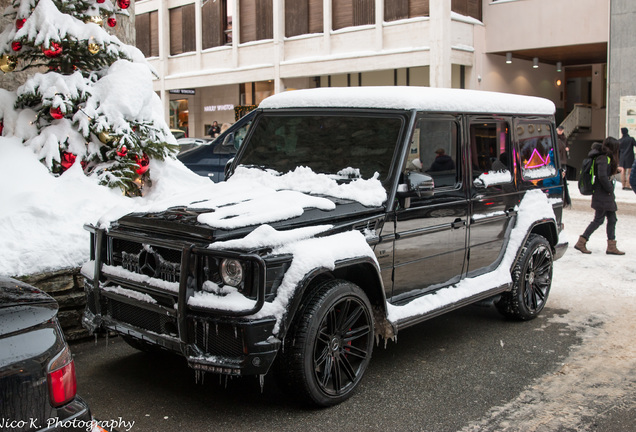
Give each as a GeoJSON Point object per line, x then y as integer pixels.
{"type": "Point", "coordinates": [61, 379]}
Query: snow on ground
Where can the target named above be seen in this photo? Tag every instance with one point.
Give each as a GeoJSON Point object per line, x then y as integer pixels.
{"type": "Point", "coordinates": [598, 291]}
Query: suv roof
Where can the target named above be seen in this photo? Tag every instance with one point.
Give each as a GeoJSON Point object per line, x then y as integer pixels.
{"type": "Point", "coordinates": [407, 98]}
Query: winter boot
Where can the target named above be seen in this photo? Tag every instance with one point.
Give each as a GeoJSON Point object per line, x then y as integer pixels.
{"type": "Point", "coordinates": [611, 248]}
{"type": "Point", "coordinates": [580, 245]}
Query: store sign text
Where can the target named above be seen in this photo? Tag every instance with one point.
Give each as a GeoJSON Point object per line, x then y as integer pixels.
{"type": "Point", "coordinates": [212, 108]}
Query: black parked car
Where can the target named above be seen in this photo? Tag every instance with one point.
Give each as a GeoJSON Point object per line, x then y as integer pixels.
{"type": "Point", "coordinates": [210, 160]}
{"type": "Point", "coordinates": [37, 372]}
{"type": "Point", "coordinates": [338, 226]}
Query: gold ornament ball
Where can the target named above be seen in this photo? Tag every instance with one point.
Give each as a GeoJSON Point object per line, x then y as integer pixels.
{"type": "Point", "coordinates": [93, 48]}
{"type": "Point", "coordinates": [97, 20]}
{"type": "Point", "coordinates": [105, 137]}
{"type": "Point", "coordinates": [8, 63]}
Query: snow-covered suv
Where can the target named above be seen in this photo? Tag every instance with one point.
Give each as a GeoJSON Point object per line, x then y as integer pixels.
{"type": "Point", "coordinates": [348, 215]}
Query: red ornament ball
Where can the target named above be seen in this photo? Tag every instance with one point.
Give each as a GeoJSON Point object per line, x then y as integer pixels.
{"type": "Point", "coordinates": [122, 152]}
{"type": "Point", "coordinates": [56, 113]}
{"type": "Point", "coordinates": [101, 1]}
{"type": "Point", "coordinates": [112, 22]}
{"type": "Point", "coordinates": [16, 45]}
{"type": "Point", "coordinates": [68, 159]}
{"type": "Point", "coordinates": [143, 162]}
{"type": "Point", "coordinates": [1, 127]}
{"type": "Point", "coordinates": [123, 3]}
{"type": "Point", "coordinates": [19, 23]}
{"type": "Point", "coordinates": [54, 50]}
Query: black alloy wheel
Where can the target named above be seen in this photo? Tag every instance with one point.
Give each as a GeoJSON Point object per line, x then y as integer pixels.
{"type": "Point", "coordinates": [531, 281]}
{"type": "Point", "coordinates": [331, 345]}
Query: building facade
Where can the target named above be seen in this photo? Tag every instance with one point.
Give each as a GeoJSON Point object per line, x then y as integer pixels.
{"type": "Point", "coordinates": [218, 58]}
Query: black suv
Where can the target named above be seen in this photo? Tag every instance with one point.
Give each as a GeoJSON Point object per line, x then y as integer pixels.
{"type": "Point", "coordinates": [348, 214]}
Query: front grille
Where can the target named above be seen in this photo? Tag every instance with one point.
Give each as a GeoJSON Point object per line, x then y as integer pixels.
{"type": "Point", "coordinates": [218, 339]}
{"type": "Point", "coordinates": [90, 301]}
{"type": "Point", "coordinates": [154, 261]}
{"type": "Point", "coordinates": [142, 318]}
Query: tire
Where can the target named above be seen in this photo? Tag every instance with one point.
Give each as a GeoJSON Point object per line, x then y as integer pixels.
{"type": "Point", "coordinates": [329, 346]}
{"type": "Point", "coordinates": [531, 281]}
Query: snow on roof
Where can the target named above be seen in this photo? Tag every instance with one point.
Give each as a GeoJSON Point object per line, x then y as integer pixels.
{"type": "Point", "coordinates": [407, 98]}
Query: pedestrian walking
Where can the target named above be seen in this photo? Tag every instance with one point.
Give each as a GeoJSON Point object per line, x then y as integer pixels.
{"type": "Point", "coordinates": [603, 199]}
{"type": "Point", "coordinates": [626, 160]}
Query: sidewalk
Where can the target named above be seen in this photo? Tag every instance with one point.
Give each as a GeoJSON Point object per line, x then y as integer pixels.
{"type": "Point", "coordinates": [625, 199]}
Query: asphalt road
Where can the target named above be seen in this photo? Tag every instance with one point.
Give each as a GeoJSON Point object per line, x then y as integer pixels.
{"type": "Point", "coordinates": [439, 376]}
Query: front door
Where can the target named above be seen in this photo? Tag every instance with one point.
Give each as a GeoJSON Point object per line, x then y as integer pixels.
{"type": "Point", "coordinates": [431, 232]}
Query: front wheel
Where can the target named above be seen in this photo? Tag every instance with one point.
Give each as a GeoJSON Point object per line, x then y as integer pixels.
{"type": "Point", "coordinates": [330, 345]}
{"type": "Point", "coordinates": [531, 281]}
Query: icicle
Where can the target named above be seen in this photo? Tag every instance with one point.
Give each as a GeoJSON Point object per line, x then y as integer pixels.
{"type": "Point", "coordinates": [377, 340]}
{"type": "Point", "coordinates": [206, 331]}
{"type": "Point", "coordinates": [196, 376]}
{"type": "Point", "coordinates": [226, 381]}
{"type": "Point", "coordinates": [220, 379]}
{"type": "Point", "coordinates": [95, 338]}
{"type": "Point", "coordinates": [217, 329]}
{"type": "Point", "coordinates": [261, 379]}
{"type": "Point", "coordinates": [235, 333]}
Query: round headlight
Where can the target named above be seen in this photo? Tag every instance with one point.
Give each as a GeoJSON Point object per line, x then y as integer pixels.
{"type": "Point", "coordinates": [231, 272]}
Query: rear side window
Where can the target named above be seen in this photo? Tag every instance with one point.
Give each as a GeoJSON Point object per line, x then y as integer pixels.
{"type": "Point", "coordinates": [536, 151]}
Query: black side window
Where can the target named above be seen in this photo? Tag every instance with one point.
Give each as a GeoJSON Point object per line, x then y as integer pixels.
{"type": "Point", "coordinates": [435, 151]}
{"type": "Point", "coordinates": [490, 150]}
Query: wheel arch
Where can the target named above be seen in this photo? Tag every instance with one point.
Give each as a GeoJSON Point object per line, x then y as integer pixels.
{"type": "Point", "coordinates": [547, 229]}
{"type": "Point", "coordinates": [363, 272]}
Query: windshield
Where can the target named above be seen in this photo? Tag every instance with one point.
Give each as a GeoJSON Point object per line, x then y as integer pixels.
{"type": "Point", "coordinates": [347, 145]}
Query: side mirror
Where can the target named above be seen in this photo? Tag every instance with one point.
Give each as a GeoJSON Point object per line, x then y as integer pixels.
{"type": "Point", "coordinates": [422, 184]}
{"type": "Point", "coordinates": [228, 167]}
{"type": "Point", "coordinates": [229, 140]}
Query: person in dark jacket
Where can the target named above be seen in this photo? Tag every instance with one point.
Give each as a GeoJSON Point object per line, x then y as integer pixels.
{"type": "Point", "coordinates": [626, 160]}
{"type": "Point", "coordinates": [603, 199]}
{"type": "Point", "coordinates": [442, 162]}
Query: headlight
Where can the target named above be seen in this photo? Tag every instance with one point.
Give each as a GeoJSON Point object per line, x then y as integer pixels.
{"type": "Point", "coordinates": [232, 272]}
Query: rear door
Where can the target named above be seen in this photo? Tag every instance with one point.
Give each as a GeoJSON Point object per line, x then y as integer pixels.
{"type": "Point", "coordinates": [493, 193]}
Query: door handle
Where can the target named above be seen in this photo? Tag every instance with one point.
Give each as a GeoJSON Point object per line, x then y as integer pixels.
{"type": "Point", "coordinates": [458, 223]}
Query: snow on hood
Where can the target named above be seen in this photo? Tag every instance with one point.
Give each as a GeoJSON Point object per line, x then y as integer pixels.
{"type": "Point", "coordinates": [254, 197]}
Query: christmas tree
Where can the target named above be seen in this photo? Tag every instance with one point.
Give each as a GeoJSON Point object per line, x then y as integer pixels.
{"type": "Point", "coordinates": [90, 100]}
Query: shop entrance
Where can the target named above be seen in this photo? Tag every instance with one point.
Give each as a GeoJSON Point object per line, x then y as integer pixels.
{"type": "Point", "coordinates": [179, 115]}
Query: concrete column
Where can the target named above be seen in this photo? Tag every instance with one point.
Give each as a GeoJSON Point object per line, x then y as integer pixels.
{"type": "Point", "coordinates": [279, 43]}
{"type": "Point", "coordinates": [326, 30]}
{"type": "Point", "coordinates": [236, 34]}
{"type": "Point", "coordinates": [164, 52]}
{"type": "Point", "coordinates": [379, 21]}
{"type": "Point", "coordinates": [198, 30]}
{"type": "Point", "coordinates": [440, 70]}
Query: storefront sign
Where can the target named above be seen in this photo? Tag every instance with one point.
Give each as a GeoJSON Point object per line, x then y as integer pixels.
{"type": "Point", "coordinates": [212, 108]}
{"type": "Point", "coordinates": [628, 114]}
{"type": "Point", "coordinates": [182, 91]}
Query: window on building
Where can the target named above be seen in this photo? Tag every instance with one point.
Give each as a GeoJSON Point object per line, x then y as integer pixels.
{"type": "Point", "coordinates": [182, 30]}
{"type": "Point", "coordinates": [402, 9]}
{"type": "Point", "coordinates": [216, 17]}
{"type": "Point", "coordinates": [471, 8]}
{"type": "Point", "coordinates": [303, 17]}
{"type": "Point", "coordinates": [257, 20]}
{"type": "Point", "coordinates": [348, 13]}
{"type": "Point", "coordinates": [147, 33]}
{"type": "Point", "coordinates": [253, 93]}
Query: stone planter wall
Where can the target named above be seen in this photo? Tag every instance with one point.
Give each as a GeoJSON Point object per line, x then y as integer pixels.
{"type": "Point", "coordinates": [67, 287]}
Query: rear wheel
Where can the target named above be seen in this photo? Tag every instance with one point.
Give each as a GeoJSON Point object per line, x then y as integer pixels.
{"type": "Point", "coordinates": [330, 345]}
{"type": "Point", "coordinates": [531, 281]}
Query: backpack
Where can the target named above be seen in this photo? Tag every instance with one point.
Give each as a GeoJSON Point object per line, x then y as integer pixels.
{"type": "Point", "coordinates": [587, 176]}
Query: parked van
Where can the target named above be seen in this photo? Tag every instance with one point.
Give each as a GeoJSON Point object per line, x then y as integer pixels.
{"type": "Point", "coordinates": [348, 215]}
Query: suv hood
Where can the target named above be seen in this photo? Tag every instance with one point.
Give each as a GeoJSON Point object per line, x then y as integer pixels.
{"type": "Point", "coordinates": [202, 224]}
